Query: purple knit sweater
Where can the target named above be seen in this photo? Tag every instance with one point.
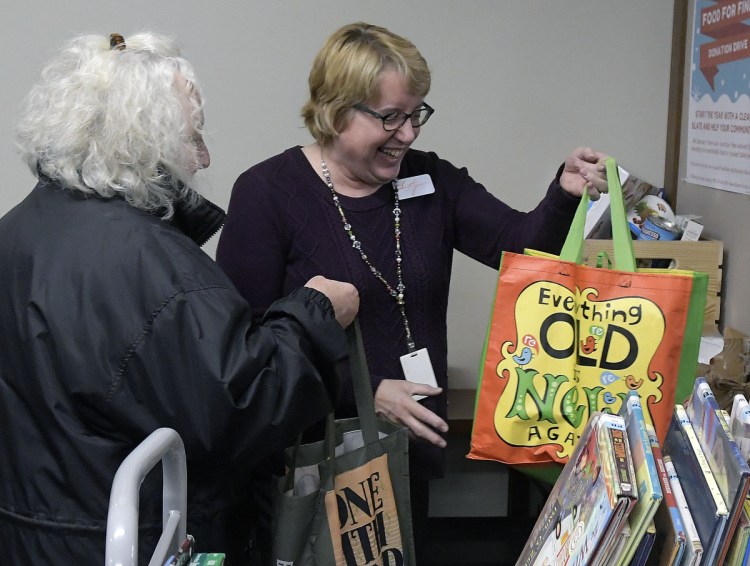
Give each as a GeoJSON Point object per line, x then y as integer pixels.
{"type": "Point", "coordinates": [282, 229]}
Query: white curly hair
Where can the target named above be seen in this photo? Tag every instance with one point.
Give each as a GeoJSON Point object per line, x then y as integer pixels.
{"type": "Point", "coordinates": [117, 121]}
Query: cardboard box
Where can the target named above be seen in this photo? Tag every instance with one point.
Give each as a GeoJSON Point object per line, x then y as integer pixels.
{"type": "Point", "coordinates": [728, 371]}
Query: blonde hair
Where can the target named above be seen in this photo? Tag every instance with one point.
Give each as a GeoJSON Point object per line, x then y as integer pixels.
{"type": "Point", "coordinates": [347, 71]}
{"type": "Point", "coordinates": [116, 121]}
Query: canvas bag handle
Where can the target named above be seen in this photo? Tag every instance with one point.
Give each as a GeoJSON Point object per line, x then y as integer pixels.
{"type": "Point", "coordinates": [362, 384]}
{"type": "Point", "coordinates": [365, 400]}
{"type": "Point", "coordinates": [572, 249]}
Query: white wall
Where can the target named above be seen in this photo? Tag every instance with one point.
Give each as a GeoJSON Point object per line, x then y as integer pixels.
{"type": "Point", "coordinates": [516, 84]}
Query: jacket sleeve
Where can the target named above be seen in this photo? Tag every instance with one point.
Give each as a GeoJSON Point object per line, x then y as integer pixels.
{"type": "Point", "coordinates": [233, 389]}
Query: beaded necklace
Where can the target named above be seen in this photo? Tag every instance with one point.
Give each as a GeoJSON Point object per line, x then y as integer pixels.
{"type": "Point", "coordinates": [398, 292]}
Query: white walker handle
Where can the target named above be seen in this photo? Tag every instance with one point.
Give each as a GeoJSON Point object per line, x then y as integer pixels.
{"type": "Point", "coordinates": [164, 445]}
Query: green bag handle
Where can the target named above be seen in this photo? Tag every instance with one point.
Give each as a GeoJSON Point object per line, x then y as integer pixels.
{"type": "Point", "coordinates": [572, 249]}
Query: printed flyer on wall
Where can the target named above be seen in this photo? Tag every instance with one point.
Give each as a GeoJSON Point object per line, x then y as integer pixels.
{"type": "Point", "coordinates": [718, 140]}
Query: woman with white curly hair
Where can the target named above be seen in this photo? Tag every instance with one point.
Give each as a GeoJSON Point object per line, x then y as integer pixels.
{"type": "Point", "coordinates": [116, 119]}
{"type": "Point", "coordinates": [115, 323]}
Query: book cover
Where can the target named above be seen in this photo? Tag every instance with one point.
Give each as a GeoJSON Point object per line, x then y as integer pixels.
{"type": "Point", "coordinates": [746, 558]}
{"type": "Point", "coordinates": [727, 463]}
{"type": "Point", "coordinates": [707, 507]}
{"type": "Point", "coordinates": [623, 539]}
{"type": "Point", "coordinates": [647, 479]}
{"type": "Point", "coordinates": [738, 546]}
{"type": "Point", "coordinates": [645, 547]}
{"type": "Point", "coordinates": [585, 503]}
{"type": "Point", "coordinates": [739, 419]}
{"type": "Point", "coordinates": [693, 547]}
{"type": "Point", "coordinates": [669, 543]}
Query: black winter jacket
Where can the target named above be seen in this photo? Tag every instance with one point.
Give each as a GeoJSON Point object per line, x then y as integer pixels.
{"type": "Point", "coordinates": [114, 323]}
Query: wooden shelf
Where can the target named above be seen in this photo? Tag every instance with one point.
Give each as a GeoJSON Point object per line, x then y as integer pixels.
{"type": "Point", "coordinates": [706, 256]}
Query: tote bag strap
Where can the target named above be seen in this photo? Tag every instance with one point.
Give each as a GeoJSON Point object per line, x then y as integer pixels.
{"type": "Point", "coordinates": [572, 249]}
{"type": "Point", "coordinates": [362, 392]}
{"type": "Point", "coordinates": [365, 404]}
{"type": "Point", "coordinates": [362, 385]}
{"type": "Point", "coordinates": [329, 449]}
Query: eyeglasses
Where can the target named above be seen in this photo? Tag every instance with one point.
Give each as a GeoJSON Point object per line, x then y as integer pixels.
{"type": "Point", "coordinates": [394, 120]}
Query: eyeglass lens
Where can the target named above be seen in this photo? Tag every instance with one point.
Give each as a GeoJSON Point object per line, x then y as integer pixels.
{"type": "Point", "coordinates": [397, 119]}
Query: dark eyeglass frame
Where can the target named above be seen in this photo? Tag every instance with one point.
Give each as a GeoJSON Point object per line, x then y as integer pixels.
{"type": "Point", "coordinates": [392, 115]}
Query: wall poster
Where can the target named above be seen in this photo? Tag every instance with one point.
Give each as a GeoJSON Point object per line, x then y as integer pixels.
{"type": "Point", "coordinates": [718, 148]}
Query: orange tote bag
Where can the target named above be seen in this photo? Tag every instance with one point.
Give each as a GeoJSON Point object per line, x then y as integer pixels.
{"type": "Point", "coordinates": [566, 340]}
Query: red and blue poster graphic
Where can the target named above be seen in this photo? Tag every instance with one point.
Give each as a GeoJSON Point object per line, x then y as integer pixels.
{"type": "Point", "coordinates": [718, 125]}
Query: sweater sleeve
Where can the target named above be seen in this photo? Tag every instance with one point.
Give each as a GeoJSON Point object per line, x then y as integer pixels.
{"type": "Point", "coordinates": [485, 226]}
{"type": "Point", "coordinates": [252, 248]}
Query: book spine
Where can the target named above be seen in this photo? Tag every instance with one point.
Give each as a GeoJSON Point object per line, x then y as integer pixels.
{"type": "Point", "coordinates": [672, 536]}
{"type": "Point", "coordinates": [606, 461]}
{"type": "Point", "coordinates": [631, 469]}
{"type": "Point", "coordinates": [739, 541]}
{"type": "Point", "coordinates": [721, 508]}
{"type": "Point", "coordinates": [623, 465]}
{"type": "Point", "coordinates": [691, 532]}
{"type": "Point", "coordinates": [666, 486]}
{"type": "Point", "coordinates": [644, 546]}
{"type": "Point", "coordinates": [622, 495]}
{"type": "Point", "coordinates": [647, 443]}
{"type": "Point", "coordinates": [646, 479]}
{"type": "Point", "coordinates": [739, 406]}
{"type": "Point", "coordinates": [746, 554]}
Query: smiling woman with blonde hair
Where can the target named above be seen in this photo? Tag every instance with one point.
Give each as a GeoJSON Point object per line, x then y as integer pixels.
{"type": "Point", "coordinates": [347, 70]}
{"type": "Point", "coordinates": [361, 204]}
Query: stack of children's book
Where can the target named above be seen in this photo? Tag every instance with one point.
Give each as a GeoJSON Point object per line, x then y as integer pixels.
{"type": "Point", "coordinates": [592, 499]}
{"type": "Point", "coordinates": [628, 500]}
{"type": "Point", "coordinates": [713, 477]}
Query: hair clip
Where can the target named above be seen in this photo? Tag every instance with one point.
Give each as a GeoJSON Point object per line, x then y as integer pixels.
{"type": "Point", "coordinates": [116, 41]}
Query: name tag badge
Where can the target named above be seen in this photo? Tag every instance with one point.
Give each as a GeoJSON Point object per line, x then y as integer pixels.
{"type": "Point", "coordinates": [414, 186]}
{"type": "Point", "coordinates": [418, 369]}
